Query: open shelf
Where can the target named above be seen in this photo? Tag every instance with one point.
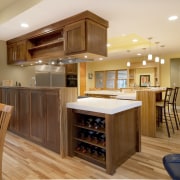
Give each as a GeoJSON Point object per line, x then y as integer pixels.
{"type": "Point", "coordinates": [54, 43]}
{"type": "Point", "coordinates": [93, 159]}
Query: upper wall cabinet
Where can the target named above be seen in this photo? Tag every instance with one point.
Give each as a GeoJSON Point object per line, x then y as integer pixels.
{"type": "Point", "coordinates": [45, 46]}
{"type": "Point", "coordinates": [85, 36]}
{"type": "Point", "coordinates": [82, 33]}
{"type": "Point", "coordinates": [16, 51]}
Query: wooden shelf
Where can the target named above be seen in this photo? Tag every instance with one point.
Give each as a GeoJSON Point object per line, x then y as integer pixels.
{"type": "Point", "coordinates": [90, 142]}
{"type": "Point", "coordinates": [91, 158]}
{"type": "Point", "coordinates": [88, 128]}
{"type": "Point", "coordinates": [55, 43]}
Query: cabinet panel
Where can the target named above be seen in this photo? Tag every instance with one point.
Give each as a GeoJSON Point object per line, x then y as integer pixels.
{"type": "Point", "coordinates": [12, 99]}
{"type": "Point", "coordinates": [16, 52]}
{"type": "Point", "coordinates": [75, 37]}
{"type": "Point", "coordinates": [52, 121]}
{"type": "Point", "coordinates": [37, 129]}
{"type": "Point", "coordinates": [24, 112]}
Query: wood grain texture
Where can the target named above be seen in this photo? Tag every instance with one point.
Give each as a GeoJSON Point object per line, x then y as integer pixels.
{"type": "Point", "coordinates": [148, 111]}
{"type": "Point", "coordinates": [24, 160]}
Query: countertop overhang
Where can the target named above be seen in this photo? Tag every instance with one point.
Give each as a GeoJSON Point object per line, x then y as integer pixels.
{"type": "Point", "coordinates": [103, 105]}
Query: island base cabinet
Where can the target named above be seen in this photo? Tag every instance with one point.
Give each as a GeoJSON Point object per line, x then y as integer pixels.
{"type": "Point", "coordinates": [103, 139]}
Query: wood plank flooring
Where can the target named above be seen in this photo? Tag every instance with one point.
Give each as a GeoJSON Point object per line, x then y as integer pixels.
{"type": "Point", "coordinates": [25, 160]}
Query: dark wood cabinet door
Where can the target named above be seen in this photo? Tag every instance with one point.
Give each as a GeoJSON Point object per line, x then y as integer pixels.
{"type": "Point", "coordinates": [37, 123]}
{"type": "Point", "coordinates": [11, 53]}
{"type": "Point", "coordinates": [24, 112]}
{"type": "Point", "coordinates": [12, 99]}
{"type": "Point", "coordinates": [75, 37]}
{"type": "Point", "coordinates": [16, 52]}
{"type": "Point", "coordinates": [52, 121]}
{"type": "Point", "coordinates": [71, 68]}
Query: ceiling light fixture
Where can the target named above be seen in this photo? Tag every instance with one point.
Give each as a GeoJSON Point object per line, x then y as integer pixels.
{"type": "Point", "coordinates": [135, 40]}
{"type": "Point", "coordinates": [173, 18]}
{"type": "Point", "coordinates": [24, 25]}
{"type": "Point", "coordinates": [144, 62]}
{"type": "Point", "coordinates": [150, 55]}
{"type": "Point", "coordinates": [128, 64]}
{"type": "Point", "coordinates": [162, 61]}
{"type": "Point", "coordinates": [156, 57]}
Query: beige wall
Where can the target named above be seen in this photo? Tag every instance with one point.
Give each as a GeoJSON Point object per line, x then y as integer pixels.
{"type": "Point", "coordinates": [121, 64]}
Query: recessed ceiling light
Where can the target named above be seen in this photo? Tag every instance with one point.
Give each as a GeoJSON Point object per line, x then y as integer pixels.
{"type": "Point", "coordinates": [172, 18]}
{"type": "Point", "coordinates": [135, 40]}
{"type": "Point", "coordinates": [108, 45]}
{"type": "Point", "coordinates": [24, 25]}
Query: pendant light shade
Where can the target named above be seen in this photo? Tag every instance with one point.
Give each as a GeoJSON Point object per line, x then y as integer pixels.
{"type": "Point", "coordinates": [149, 56]}
{"type": "Point", "coordinates": [156, 59]}
{"type": "Point", "coordinates": [144, 62]}
{"type": "Point", "coordinates": [162, 61]}
{"type": "Point", "coordinates": [128, 64]}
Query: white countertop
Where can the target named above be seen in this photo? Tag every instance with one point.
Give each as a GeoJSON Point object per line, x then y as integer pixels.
{"type": "Point", "coordinates": [103, 105]}
{"type": "Point", "coordinates": [104, 92]}
{"type": "Point", "coordinates": [116, 94]}
{"type": "Point", "coordinates": [129, 96]}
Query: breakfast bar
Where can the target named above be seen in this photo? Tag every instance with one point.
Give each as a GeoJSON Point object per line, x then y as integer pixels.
{"type": "Point", "coordinates": [104, 131]}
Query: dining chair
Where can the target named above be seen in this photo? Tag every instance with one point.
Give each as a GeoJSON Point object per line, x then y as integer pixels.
{"type": "Point", "coordinates": [5, 115]}
{"type": "Point", "coordinates": [163, 110]}
{"type": "Point", "coordinates": [171, 163]}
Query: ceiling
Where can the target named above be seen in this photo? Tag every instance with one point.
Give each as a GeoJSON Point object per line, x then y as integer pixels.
{"type": "Point", "coordinates": [140, 19]}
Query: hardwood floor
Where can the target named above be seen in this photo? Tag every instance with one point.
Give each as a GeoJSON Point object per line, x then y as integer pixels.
{"type": "Point", "coordinates": [25, 160]}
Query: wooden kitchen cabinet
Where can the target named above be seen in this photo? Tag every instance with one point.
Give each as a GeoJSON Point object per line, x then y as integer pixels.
{"type": "Point", "coordinates": [24, 112]}
{"type": "Point", "coordinates": [83, 33]}
{"type": "Point", "coordinates": [116, 138]}
{"type": "Point", "coordinates": [38, 124]}
{"type": "Point", "coordinates": [71, 68]}
{"type": "Point", "coordinates": [45, 119]}
{"type": "Point", "coordinates": [10, 97]}
{"type": "Point", "coordinates": [16, 51]}
{"type": "Point", "coordinates": [46, 45]}
{"type": "Point", "coordinates": [52, 140]}
{"type": "Point", "coordinates": [85, 36]}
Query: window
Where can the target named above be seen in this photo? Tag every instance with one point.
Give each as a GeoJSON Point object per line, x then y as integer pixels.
{"type": "Point", "coordinates": [122, 79]}
{"type": "Point", "coordinates": [114, 79]}
{"type": "Point", "coordinates": [110, 79]}
{"type": "Point", "coordinates": [99, 79]}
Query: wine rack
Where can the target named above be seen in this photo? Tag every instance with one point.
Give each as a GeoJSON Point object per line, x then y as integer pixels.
{"type": "Point", "coordinates": [106, 140]}
{"type": "Point", "coordinates": [90, 138]}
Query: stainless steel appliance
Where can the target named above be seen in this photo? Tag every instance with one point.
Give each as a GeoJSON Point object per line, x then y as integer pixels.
{"type": "Point", "coordinates": [50, 76]}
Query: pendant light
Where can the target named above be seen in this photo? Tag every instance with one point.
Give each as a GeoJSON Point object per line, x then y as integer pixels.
{"type": "Point", "coordinates": [144, 62]}
{"type": "Point", "coordinates": [128, 63]}
{"type": "Point", "coordinates": [162, 61]}
{"type": "Point", "coordinates": [156, 57]}
{"type": "Point", "coordinates": [150, 54]}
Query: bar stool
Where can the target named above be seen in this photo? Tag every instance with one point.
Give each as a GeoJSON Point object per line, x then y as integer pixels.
{"type": "Point", "coordinates": [163, 110]}
{"type": "Point", "coordinates": [173, 102]}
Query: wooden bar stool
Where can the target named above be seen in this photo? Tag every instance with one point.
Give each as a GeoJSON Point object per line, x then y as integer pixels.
{"type": "Point", "coordinates": [5, 115]}
{"type": "Point", "coordinates": [163, 110]}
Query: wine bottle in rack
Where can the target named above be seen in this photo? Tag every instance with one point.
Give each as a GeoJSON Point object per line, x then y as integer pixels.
{"type": "Point", "coordinates": [89, 122]}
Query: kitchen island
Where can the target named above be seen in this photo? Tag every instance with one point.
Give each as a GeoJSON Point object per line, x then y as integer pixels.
{"type": "Point", "coordinates": [104, 131]}
{"type": "Point", "coordinates": [40, 114]}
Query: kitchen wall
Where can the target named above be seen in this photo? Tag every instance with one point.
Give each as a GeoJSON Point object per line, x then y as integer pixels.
{"type": "Point", "coordinates": [121, 64]}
